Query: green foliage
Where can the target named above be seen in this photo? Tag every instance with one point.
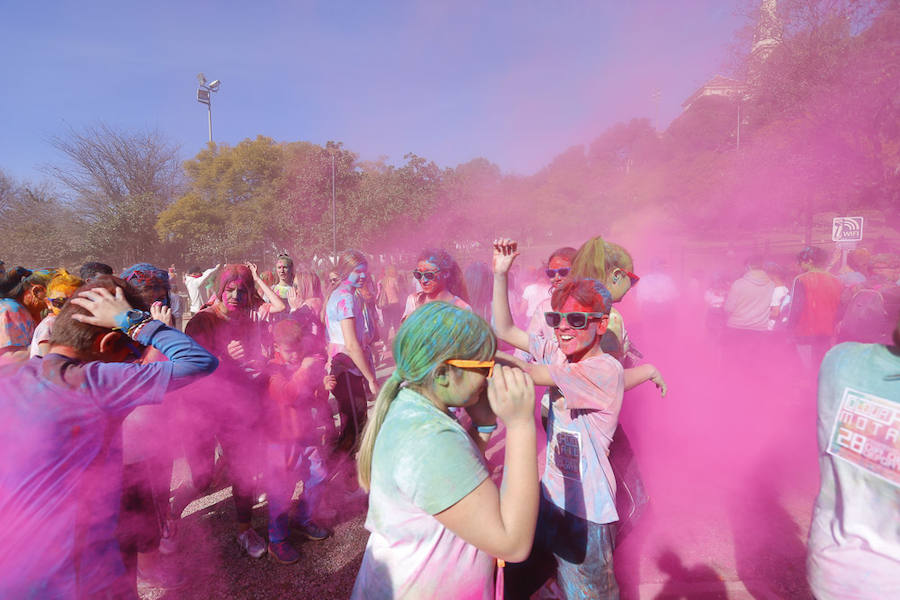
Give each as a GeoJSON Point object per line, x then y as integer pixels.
{"type": "Point", "coordinates": [819, 120]}
{"type": "Point", "coordinates": [229, 201]}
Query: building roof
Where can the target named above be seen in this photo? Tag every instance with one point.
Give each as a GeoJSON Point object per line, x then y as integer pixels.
{"type": "Point", "coordinates": [717, 86]}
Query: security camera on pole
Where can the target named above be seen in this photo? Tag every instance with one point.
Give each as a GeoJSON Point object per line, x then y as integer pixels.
{"type": "Point", "coordinates": [204, 97]}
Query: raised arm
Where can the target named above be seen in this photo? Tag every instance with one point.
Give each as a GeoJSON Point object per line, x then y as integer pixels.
{"type": "Point", "coordinates": [207, 274]}
{"type": "Point", "coordinates": [505, 252]}
{"type": "Point", "coordinates": [540, 374]}
{"type": "Point", "coordinates": [276, 303]}
{"type": "Point", "coordinates": [501, 522]}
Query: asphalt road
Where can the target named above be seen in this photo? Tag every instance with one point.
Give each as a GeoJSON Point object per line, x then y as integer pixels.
{"type": "Point", "coordinates": [729, 464]}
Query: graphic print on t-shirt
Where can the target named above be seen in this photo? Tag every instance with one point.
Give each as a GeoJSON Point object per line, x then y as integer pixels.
{"type": "Point", "coordinates": [866, 434]}
{"type": "Point", "coordinates": [566, 451]}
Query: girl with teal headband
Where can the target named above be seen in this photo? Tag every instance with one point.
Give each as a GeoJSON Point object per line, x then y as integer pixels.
{"type": "Point", "coordinates": [436, 518]}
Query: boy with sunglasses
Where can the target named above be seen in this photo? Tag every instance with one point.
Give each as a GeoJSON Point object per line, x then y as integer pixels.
{"type": "Point", "coordinates": [575, 529]}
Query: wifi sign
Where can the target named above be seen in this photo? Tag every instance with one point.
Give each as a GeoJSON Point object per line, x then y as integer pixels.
{"type": "Point", "coordinates": [847, 229]}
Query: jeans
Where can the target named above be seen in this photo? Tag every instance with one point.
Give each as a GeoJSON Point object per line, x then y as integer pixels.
{"type": "Point", "coordinates": [581, 553]}
{"type": "Point", "coordinates": [281, 478]}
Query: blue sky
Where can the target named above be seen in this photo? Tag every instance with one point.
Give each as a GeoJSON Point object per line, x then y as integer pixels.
{"type": "Point", "coordinates": [515, 82]}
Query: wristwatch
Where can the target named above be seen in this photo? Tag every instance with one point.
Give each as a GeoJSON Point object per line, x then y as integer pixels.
{"type": "Point", "coordinates": [130, 318]}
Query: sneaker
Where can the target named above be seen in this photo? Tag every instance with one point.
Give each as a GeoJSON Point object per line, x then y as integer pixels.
{"type": "Point", "coordinates": [282, 552]}
{"type": "Point", "coordinates": [158, 577]}
{"type": "Point", "coordinates": [251, 543]}
{"type": "Point", "coordinates": [312, 530]}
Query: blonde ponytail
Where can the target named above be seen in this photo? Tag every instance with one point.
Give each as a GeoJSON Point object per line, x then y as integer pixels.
{"type": "Point", "coordinates": [370, 433]}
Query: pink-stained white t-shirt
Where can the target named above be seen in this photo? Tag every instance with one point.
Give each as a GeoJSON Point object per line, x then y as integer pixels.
{"type": "Point", "coordinates": [41, 335]}
{"type": "Point", "coordinates": [422, 464]}
{"type": "Point", "coordinates": [534, 295]}
{"type": "Point", "coordinates": [585, 404]}
{"type": "Point", "coordinates": [854, 538]}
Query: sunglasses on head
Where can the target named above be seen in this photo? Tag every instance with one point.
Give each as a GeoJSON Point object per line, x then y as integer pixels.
{"type": "Point", "coordinates": [551, 273]}
{"type": "Point", "coordinates": [425, 275]}
{"type": "Point", "coordinates": [482, 367]}
{"type": "Point", "coordinates": [576, 320]}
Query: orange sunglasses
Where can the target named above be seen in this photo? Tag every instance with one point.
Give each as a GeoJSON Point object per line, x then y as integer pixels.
{"type": "Point", "coordinates": [483, 367]}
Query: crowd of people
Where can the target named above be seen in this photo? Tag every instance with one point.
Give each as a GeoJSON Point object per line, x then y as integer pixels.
{"type": "Point", "coordinates": [266, 380]}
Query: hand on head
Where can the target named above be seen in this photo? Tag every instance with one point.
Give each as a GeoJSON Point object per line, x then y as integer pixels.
{"type": "Point", "coordinates": [161, 312]}
{"type": "Point", "coordinates": [102, 306]}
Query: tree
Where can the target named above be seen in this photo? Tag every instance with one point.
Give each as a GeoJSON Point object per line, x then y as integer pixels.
{"type": "Point", "coordinates": [118, 182]}
{"type": "Point", "coordinates": [36, 228]}
{"type": "Point", "coordinates": [228, 204]}
{"type": "Point", "coordinates": [303, 207]}
{"type": "Point", "coordinates": [823, 112]}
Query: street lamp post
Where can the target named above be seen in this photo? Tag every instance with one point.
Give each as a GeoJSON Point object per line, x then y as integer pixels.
{"type": "Point", "coordinates": [333, 216]}
{"type": "Point", "coordinates": [205, 97]}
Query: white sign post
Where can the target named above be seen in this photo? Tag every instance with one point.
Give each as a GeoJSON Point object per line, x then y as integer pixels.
{"type": "Point", "coordinates": [847, 229]}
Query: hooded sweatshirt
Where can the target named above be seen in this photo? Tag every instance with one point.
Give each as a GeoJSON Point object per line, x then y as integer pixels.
{"type": "Point", "coordinates": [748, 301]}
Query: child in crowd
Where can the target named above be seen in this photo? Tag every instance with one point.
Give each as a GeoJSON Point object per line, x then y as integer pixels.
{"type": "Point", "coordinates": [59, 290]}
{"type": "Point", "coordinates": [297, 418]}
{"type": "Point", "coordinates": [441, 279]}
{"type": "Point", "coordinates": [781, 296]}
{"type": "Point", "coordinates": [22, 306]}
{"type": "Point", "coordinates": [436, 518]}
{"type": "Point", "coordinates": [612, 266]}
{"type": "Point", "coordinates": [558, 266]}
{"type": "Point", "coordinates": [576, 524]}
{"type": "Point", "coordinates": [351, 332]}
{"type": "Point", "coordinates": [227, 410]}
{"type": "Point", "coordinates": [815, 301]}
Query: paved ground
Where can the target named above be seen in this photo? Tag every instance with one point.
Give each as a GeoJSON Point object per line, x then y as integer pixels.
{"type": "Point", "coordinates": [728, 459]}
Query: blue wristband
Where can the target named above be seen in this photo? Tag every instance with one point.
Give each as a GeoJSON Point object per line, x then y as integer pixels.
{"type": "Point", "coordinates": [486, 428]}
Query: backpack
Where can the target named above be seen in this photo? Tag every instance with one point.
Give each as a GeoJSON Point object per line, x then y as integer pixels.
{"type": "Point", "coordinates": [865, 319]}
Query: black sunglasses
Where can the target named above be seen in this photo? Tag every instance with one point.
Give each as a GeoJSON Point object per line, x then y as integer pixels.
{"type": "Point", "coordinates": [57, 302]}
{"type": "Point", "coordinates": [551, 273]}
{"type": "Point", "coordinates": [576, 320]}
{"type": "Point", "coordinates": [425, 275]}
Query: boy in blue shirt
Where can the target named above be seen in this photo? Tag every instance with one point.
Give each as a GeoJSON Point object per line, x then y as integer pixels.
{"type": "Point", "coordinates": [60, 482]}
